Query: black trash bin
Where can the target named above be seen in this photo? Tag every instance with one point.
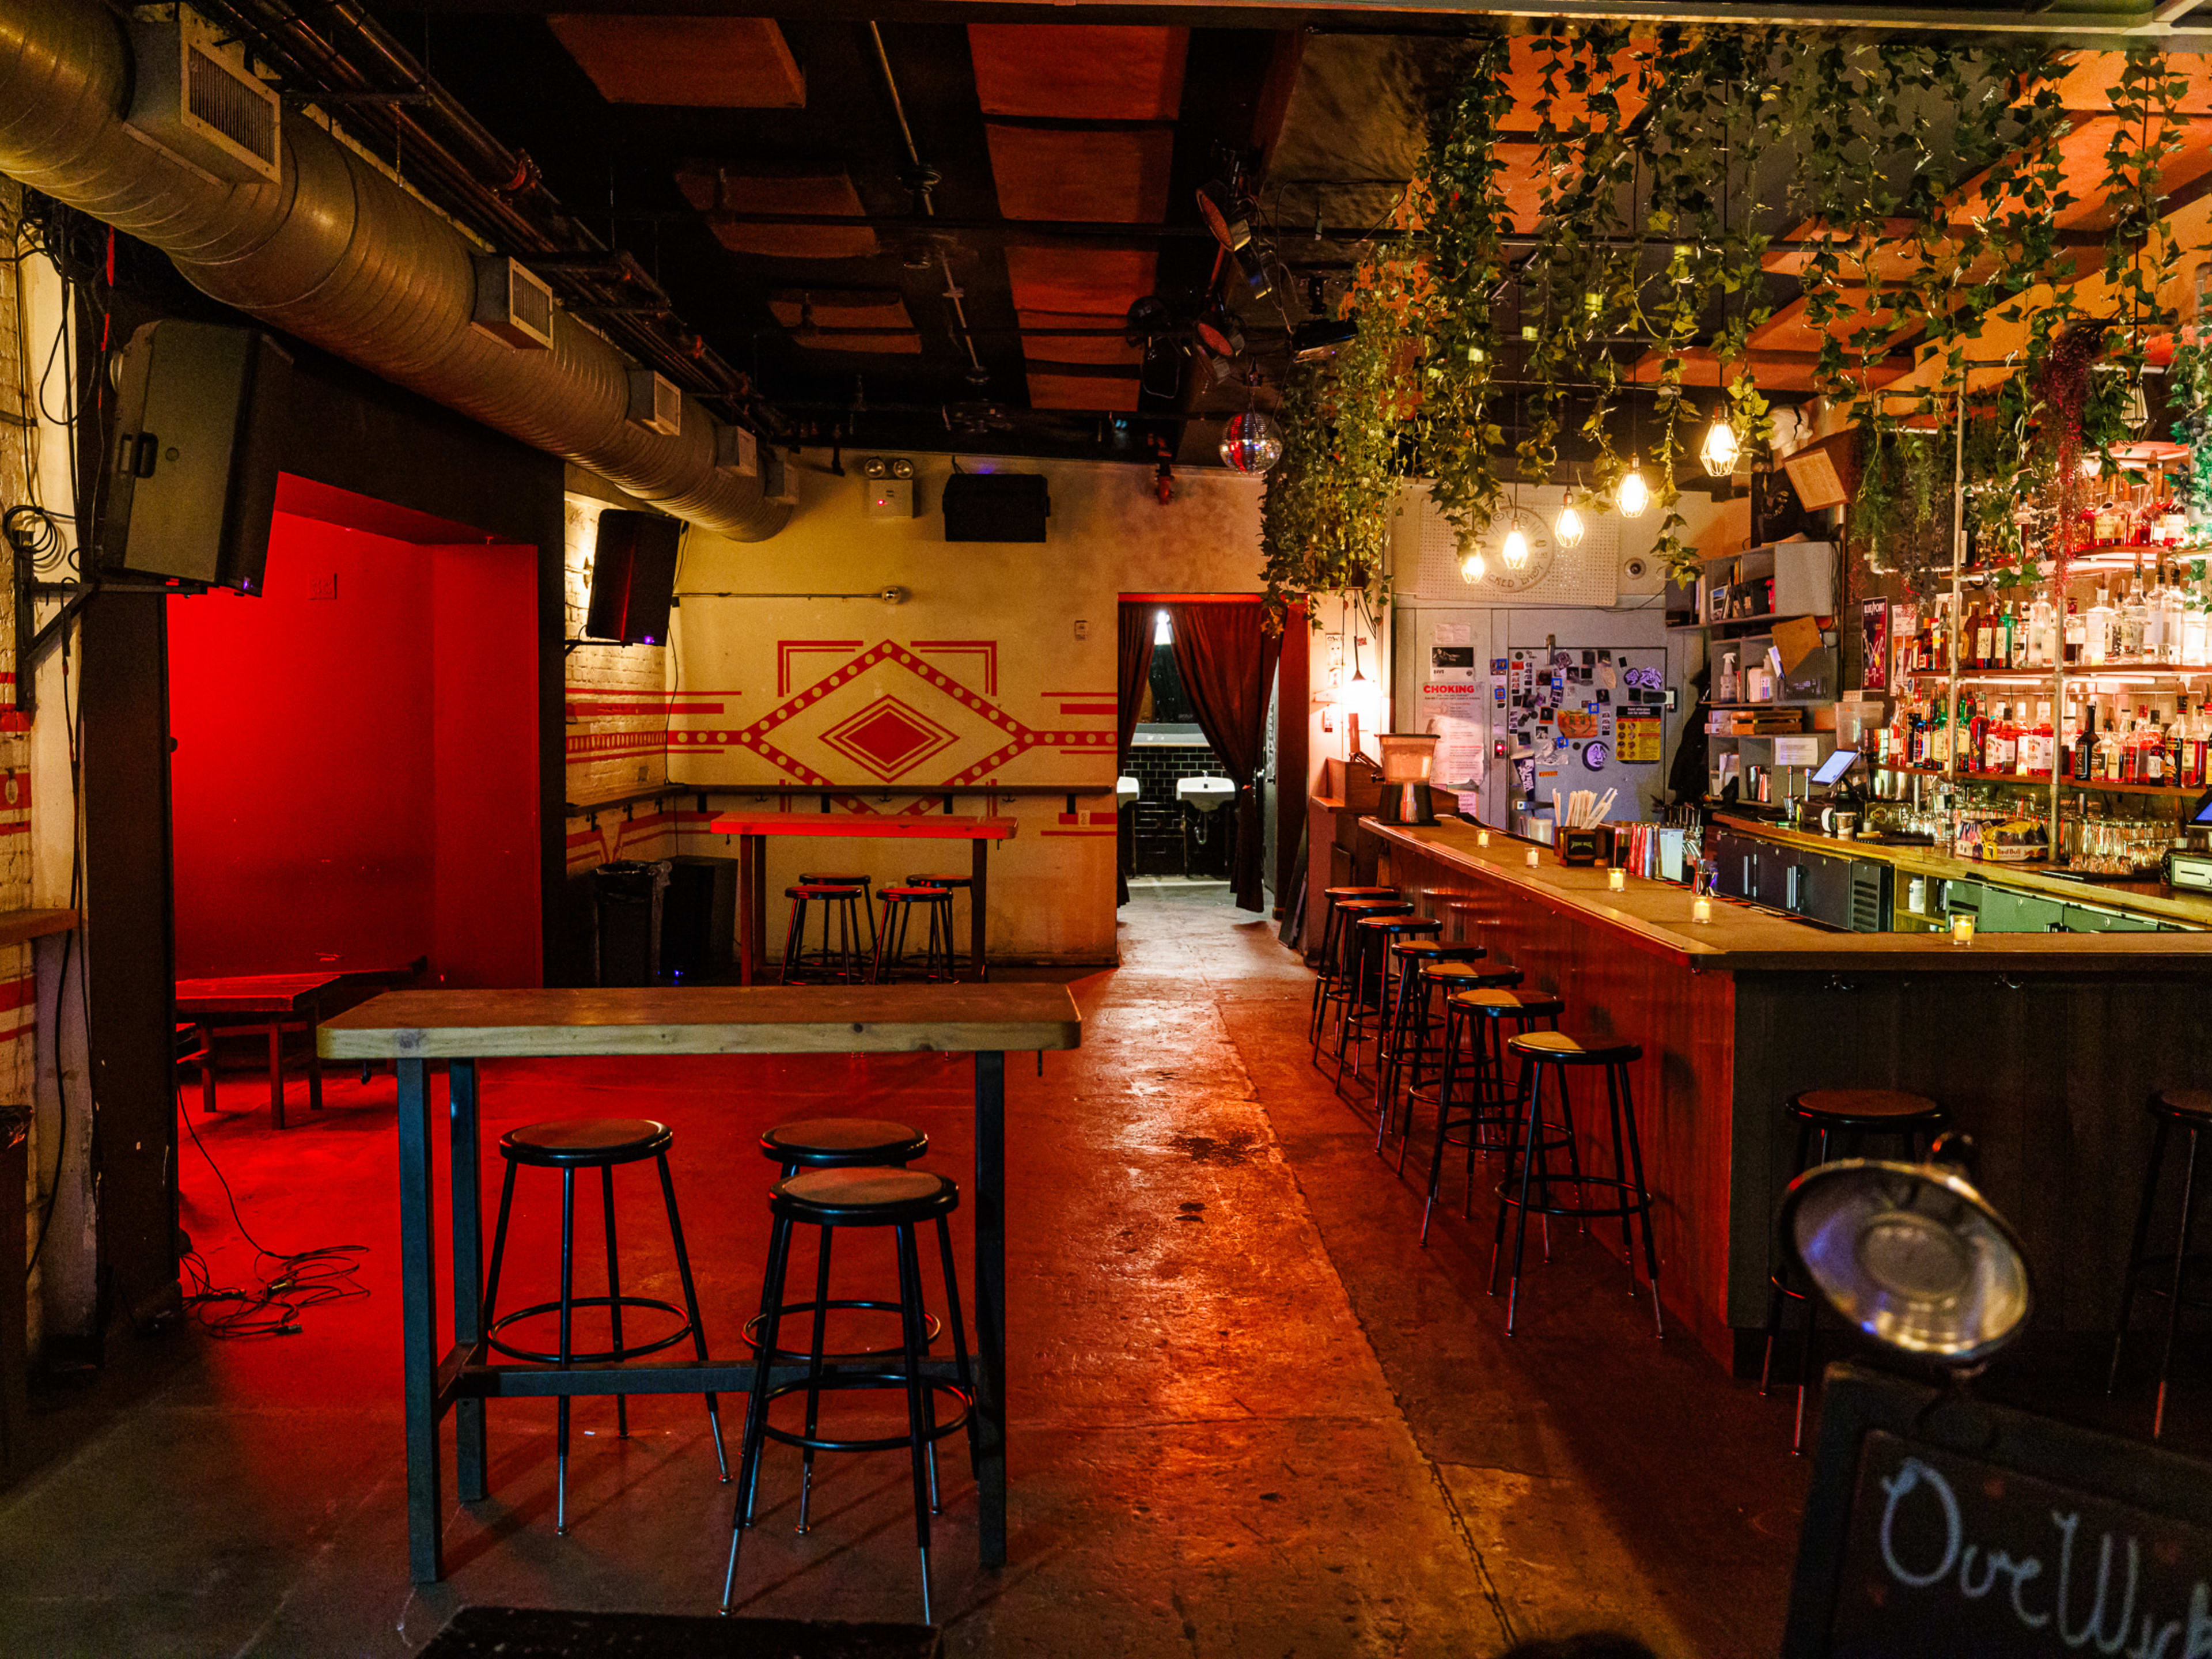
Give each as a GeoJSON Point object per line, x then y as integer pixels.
{"type": "Point", "coordinates": [626, 896]}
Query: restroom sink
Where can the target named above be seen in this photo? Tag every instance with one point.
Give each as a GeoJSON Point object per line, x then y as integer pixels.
{"type": "Point", "coordinates": [1126, 789]}
{"type": "Point", "coordinates": [1207, 794]}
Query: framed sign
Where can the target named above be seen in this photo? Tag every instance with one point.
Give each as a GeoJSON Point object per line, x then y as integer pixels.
{"type": "Point", "coordinates": [1874, 636]}
{"type": "Point", "coordinates": [1941, 1525]}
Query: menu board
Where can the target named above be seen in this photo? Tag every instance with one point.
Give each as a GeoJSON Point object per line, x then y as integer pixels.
{"type": "Point", "coordinates": [1939, 1525]}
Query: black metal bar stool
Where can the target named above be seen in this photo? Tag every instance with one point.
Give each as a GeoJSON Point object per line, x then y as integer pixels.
{"type": "Point", "coordinates": [901, 1200]}
{"type": "Point", "coordinates": [1325, 971]}
{"type": "Point", "coordinates": [1835, 1123]}
{"type": "Point", "coordinates": [837, 1143]}
{"type": "Point", "coordinates": [2189, 1110]}
{"type": "Point", "coordinates": [845, 961]}
{"type": "Point", "coordinates": [1406, 1046]}
{"type": "Point", "coordinates": [1544, 1052]}
{"type": "Point", "coordinates": [1368, 1013]}
{"type": "Point", "coordinates": [1351, 902]}
{"type": "Point", "coordinates": [899, 905]}
{"type": "Point", "coordinates": [867, 886]}
{"type": "Point", "coordinates": [1475, 1020]}
{"type": "Point", "coordinates": [1443, 976]}
{"type": "Point", "coordinates": [955, 884]}
{"type": "Point", "coordinates": [601, 1144]}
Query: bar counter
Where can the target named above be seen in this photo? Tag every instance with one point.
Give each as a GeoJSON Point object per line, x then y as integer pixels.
{"type": "Point", "coordinates": [2042, 1046]}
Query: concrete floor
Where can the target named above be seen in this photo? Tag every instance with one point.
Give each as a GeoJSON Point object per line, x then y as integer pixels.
{"type": "Point", "coordinates": [1250, 1416]}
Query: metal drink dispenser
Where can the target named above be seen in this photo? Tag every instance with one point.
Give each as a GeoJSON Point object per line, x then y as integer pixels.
{"type": "Point", "coordinates": [1407, 757]}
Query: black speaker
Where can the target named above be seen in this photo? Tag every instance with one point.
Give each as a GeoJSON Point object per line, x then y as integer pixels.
{"type": "Point", "coordinates": [996, 507]}
{"type": "Point", "coordinates": [200, 412]}
{"type": "Point", "coordinates": [633, 577]}
{"type": "Point", "coordinates": [698, 918]}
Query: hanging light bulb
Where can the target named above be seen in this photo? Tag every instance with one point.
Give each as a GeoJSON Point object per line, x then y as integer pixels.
{"type": "Point", "coordinates": [1568, 526]}
{"type": "Point", "coordinates": [2136, 412]}
{"type": "Point", "coordinates": [1634, 495]}
{"type": "Point", "coordinates": [1720, 448]}
{"type": "Point", "coordinates": [1473, 566]}
{"type": "Point", "coordinates": [1515, 552]}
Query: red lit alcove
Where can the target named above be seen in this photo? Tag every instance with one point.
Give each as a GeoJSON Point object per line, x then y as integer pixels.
{"type": "Point", "coordinates": [355, 782]}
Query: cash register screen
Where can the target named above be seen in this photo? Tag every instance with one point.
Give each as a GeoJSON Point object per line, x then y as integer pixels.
{"type": "Point", "coordinates": [2203, 812]}
{"type": "Point", "coordinates": [1833, 768]}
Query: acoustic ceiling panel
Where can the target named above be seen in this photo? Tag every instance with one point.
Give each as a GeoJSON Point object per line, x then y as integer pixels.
{"type": "Point", "coordinates": [711, 63]}
{"type": "Point", "coordinates": [1096, 281]}
{"type": "Point", "coordinates": [1106, 173]}
{"type": "Point", "coordinates": [879, 315]}
{"type": "Point", "coordinates": [1079, 71]}
{"type": "Point", "coordinates": [829, 191]}
{"type": "Point", "coordinates": [1045, 347]}
{"type": "Point", "coordinates": [1083, 391]}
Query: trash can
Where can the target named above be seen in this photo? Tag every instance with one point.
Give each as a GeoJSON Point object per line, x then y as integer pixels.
{"type": "Point", "coordinates": [626, 897]}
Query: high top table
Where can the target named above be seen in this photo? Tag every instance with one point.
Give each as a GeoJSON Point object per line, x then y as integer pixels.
{"type": "Point", "coordinates": [753, 828]}
{"type": "Point", "coordinates": [414, 1027]}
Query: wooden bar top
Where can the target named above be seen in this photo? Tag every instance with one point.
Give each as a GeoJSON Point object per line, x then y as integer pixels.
{"type": "Point", "coordinates": [2143, 898]}
{"type": "Point", "coordinates": [704, 1020]}
{"type": "Point", "coordinates": [873, 826]}
{"type": "Point", "coordinates": [1655, 916]}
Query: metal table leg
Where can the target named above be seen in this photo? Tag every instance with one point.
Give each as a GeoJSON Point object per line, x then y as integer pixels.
{"type": "Point", "coordinates": [991, 1303]}
{"type": "Point", "coordinates": [419, 1326]}
{"type": "Point", "coordinates": [471, 1472]}
{"type": "Point", "coordinates": [749, 852]}
{"type": "Point", "coordinates": [979, 900]}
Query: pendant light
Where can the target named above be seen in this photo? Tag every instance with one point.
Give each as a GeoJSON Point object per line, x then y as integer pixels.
{"type": "Point", "coordinates": [1720, 448]}
{"type": "Point", "coordinates": [1515, 552]}
{"type": "Point", "coordinates": [1634, 495]}
{"type": "Point", "coordinates": [1472, 568]}
{"type": "Point", "coordinates": [1568, 527]}
{"type": "Point", "coordinates": [2136, 412]}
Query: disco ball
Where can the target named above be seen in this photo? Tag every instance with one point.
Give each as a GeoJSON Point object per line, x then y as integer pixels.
{"type": "Point", "coordinates": [1250, 443]}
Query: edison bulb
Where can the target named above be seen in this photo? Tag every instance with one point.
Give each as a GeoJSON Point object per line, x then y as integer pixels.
{"type": "Point", "coordinates": [1635, 494]}
{"type": "Point", "coordinates": [1515, 552]}
{"type": "Point", "coordinates": [1568, 527]}
{"type": "Point", "coordinates": [1720, 448]}
{"type": "Point", "coordinates": [1473, 566]}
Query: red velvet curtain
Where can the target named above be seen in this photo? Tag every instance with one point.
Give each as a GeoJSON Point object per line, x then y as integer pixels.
{"type": "Point", "coordinates": [1227, 657]}
{"type": "Point", "coordinates": [1134, 640]}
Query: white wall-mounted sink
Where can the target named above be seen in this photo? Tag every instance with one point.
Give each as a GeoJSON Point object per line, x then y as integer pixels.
{"type": "Point", "coordinates": [1207, 794]}
{"type": "Point", "coordinates": [1126, 789]}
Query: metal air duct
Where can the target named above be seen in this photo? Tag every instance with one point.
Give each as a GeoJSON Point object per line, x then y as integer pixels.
{"type": "Point", "coordinates": [337, 254]}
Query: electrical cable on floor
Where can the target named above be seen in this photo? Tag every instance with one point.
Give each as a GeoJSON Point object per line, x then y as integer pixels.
{"type": "Point", "coordinates": [301, 1279]}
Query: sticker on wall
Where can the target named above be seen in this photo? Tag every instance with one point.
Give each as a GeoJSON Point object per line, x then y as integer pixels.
{"type": "Point", "coordinates": [1594, 756]}
{"type": "Point", "coordinates": [1639, 737]}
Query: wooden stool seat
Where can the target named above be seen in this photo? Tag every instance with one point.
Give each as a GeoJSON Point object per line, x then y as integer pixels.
{"type": "Point", "coordinates": [874, 1196]}
{"type": "Point", "coordinates": [1503, 1003]}
{"type": "Point", "coordinates": [2184, 1105]}
{"type": "Point", "coordinates": [916, 894]}
{"type": "Point", "coordinates": [586, 1143]}
{"type": "Point", "coordinates": [1429, 949]}
{"type": "Point", "coordinates": [1564, 1049]}
{"type": "Point", "coordinates": [833, 881]}
{"type": "Point", "coordinates": [1888, 1110]}
{"type": "Point", "coordinates": [946, 882]}
{"type": "Point", "coordinates": [834, 1143]}
{"type": "Point", "coordinates": [1461, 972]}
{"type": "Point", "coordinates": [1341, 893]}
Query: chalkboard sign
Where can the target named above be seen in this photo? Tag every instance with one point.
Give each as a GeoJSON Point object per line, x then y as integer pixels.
{"type": "Point", "coordinates": [1940, 1526]}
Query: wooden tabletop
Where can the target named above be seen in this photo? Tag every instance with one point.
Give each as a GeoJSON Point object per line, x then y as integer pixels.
{"type": "Point", "coordinates": [705, 1019]}
{"type": "Point", "coordinates": [20, 926]}
{"type": "Point", "coordinates": [1654, 915]}
{"type": "Point", "coordinates": [251, 994]}
{"type": "Point", "coordinates": [873, 826]}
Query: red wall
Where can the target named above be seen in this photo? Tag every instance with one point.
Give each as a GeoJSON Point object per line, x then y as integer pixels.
{"type": "Point", "coordinates": [354, 776]}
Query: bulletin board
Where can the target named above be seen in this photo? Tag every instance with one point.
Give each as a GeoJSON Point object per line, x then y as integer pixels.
{"type": "Point", "coordinates": [1583, 717]}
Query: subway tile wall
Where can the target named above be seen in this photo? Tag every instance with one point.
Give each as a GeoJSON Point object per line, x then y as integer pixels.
{"type": "Point", "coordinates": [1157, 768]}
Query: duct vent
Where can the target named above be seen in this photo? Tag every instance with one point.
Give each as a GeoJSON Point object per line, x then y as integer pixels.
{"type": "Point", "coordinates": [779, 483]}
{"type": "Point", "coordinates": [656, 403]}
{"type": "Point", "coordinates": [512, 305]}
{"type": "Point", "coordinates": [196, 98]}
{"type": "Point", "coordinates": [737, 449]}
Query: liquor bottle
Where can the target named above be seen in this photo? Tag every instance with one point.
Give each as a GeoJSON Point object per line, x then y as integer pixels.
{"type": "Point", "coordinates": [1976, 757]}
{"type": "Point", "coordinates": [2097, 637]}
{"type": "Point", "coordinates": [2128, 646]}
{"type": "Point", "coordinates": [2175, 604]}
{"type": "Point", "coordinates": [2193, 630]}
{"type": "Point", "coordinates": [2041, 616]}
{"type": "Point", "coordinates": [1983, 636]}
{"type": "Point", "coordinates": [2038, 760]}
{"type": "Point", "coordinates": [2076, 634]}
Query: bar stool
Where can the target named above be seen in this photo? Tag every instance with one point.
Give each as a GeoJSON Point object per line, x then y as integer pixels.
{"type": "Point", "coordinates": [900, 1200]}
{"type": "Point", "coordinates": [601, 1144]}
{"type": "Point", "coordinates": [1546, 1052]}
{"type": "Point", "coordinates": [1443, 977]}
{"type": "Point", "coordinates": [2189, 1110]}
{"type": "Point", "coordinates": [899, 905]}
{"type": "Point", "coordinates": [845, 961]}
{"type": "Point", "coordinates": [1367, 1011]}
{"type": "Point", "coordinates": [1405, 1018]}
{"type": "Point", "coordinates": [1345, 920]}
{"type": "Point", "coordinates": [951, 884]}
{"type": "Point", "coordinates": [866, 884]}
{"type": "Point", "coordinates": [1825, 1117]}
{"type": "Point", "coordinates": [1477, 1019]}
{"type": "Point", "coordinates": [1325, 971]}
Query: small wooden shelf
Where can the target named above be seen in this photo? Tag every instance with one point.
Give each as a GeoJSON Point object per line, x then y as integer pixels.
{"type": "Point", "coordinates": [1764, 620]}
{"type": "Point", "coordinates": [2100, 786]}
{"type": "Point", "coordinates": [21, 927]}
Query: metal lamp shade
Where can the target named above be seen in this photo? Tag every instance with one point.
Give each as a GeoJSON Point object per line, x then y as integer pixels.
{"type": "Point", "coordinates": [1912, 1254]}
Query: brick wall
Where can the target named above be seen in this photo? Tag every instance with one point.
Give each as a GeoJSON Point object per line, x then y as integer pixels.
{"type": "Point", "coordinates": [1157, 766]}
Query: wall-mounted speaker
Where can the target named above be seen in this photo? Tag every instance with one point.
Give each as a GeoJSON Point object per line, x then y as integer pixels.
{"type": "Point", "coordinates": [191, 478]}
{"type": "Point", "coordinates": [996, 507]}
{"type": "Point", "coordinates": [633, 577]}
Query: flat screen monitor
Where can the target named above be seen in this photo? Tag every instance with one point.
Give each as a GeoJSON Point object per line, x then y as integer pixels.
{"type": "Point", "coordinates": [633, 577]}
{"type": "Point", "coordinates": [2203, 812]}
{"type": "Point", "coordinates": [1833, 768]}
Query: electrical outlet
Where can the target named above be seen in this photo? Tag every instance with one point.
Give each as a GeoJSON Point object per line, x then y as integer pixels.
{"type": "Point", "coordinates": [1082, 630]}
{"type": "Point", "coordinates": [323, 588]}
{"type": "Point", "coordinates": [641, 773]}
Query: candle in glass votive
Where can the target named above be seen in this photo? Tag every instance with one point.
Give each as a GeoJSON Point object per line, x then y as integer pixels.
{"type": "Point", "coordinates": [1617, 879]}
{"type": "Point", "coordinates": [1701, 908]}
{"type": "Point", "coordinates": [1962, 929]}
{"type": "Point", "coordinates": [1532, 858]}
{"type": "Point", "coordinates": [1482, 838]}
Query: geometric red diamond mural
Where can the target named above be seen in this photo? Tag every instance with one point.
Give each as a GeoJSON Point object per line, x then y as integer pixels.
{"type": "Point", "coordinates": [889, 738]}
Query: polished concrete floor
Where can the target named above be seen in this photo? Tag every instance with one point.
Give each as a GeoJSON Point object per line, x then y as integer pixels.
{"type": "Point", "coordinates": [1250, 1415]}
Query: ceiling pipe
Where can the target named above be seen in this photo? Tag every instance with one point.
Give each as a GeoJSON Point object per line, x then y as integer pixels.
{"type": "Point", "coordinates": [338, 255]}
